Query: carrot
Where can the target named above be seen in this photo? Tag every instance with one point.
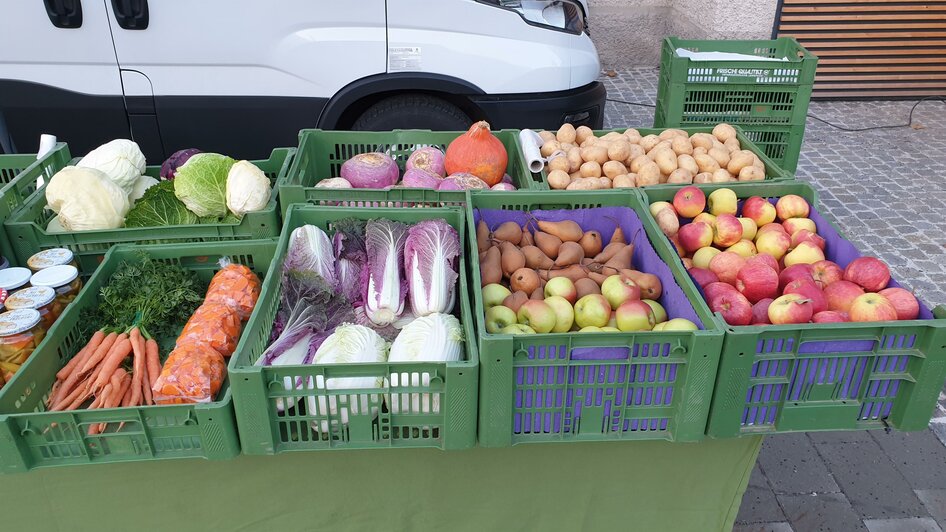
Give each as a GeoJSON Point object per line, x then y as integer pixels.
{"type": "Point", "coordinates": [146, 386]}
{"type": "Point", "coordinates": [154, 361]}
{"type": "Point", "coordinates": [99, 353]}
{"type": "Point", "coordinates": [126, 399]}
{"type": "Point", "coordinates": [117, 376]}
{"type": "Point", "coordinates": [93, 344]}
{"type": "Point", "coordinates": [81, 398]}
{"type": "Point", "coordinates": [114, 397]}
{"type": "Point", "coordinates": [110, 364]}
{"type": "Point", "coordinates": [76, 375]}
{"type": "Point", "coordinates": [139, 348]}
{"type": "Point", "coordinates": [67, 400]}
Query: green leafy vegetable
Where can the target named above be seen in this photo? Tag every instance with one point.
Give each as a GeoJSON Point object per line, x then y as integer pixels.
{"type": "Point", "coordinates": [159, 206]}
{"type": "Point", "coordinates": [201, 183]}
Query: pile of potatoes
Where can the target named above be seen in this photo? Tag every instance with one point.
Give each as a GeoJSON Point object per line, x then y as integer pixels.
{"type": "Point", "coordinates": [577, 160]}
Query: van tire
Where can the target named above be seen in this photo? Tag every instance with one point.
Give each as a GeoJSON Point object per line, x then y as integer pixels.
{"type": "Point", "coordinates": [412, 111]}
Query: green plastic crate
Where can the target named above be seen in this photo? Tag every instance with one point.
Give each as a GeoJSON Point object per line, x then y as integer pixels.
{"type": "Point", "coordinates": [824, 376]}
{"type": "Point", "coordinates": [757, 95]}
{"type": "Point", "coordinates": [258, 390]}
{"type": "Point", "coordinates": [26, 227]}
{"type": "Point", "coordinates": [595, 386]}
{"type": "Point", "coordinates": [16, 186]}
{"type": "Point", "coordinates": [322, 153]}
{"type": "Point", "coordinates": [772, 171]}
{"type": "Point", "coordinates": [31, 437]}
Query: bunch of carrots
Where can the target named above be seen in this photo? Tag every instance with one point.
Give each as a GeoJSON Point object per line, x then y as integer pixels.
{"type": "Point", "coordinates": [97, 373]}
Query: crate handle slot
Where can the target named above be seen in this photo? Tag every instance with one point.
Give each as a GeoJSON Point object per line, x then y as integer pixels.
{"type": "Point", "coordinates": [851, 345]}
{"type": "Point", "coordinates": [678, 348]}
{"type": "Point", "coordinates": [27, 429]}
{"type": "Point", "coordinates": [191, 419]}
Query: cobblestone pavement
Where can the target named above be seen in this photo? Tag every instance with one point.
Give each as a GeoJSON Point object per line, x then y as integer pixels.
{"type": "Point", "coordinates": [886, 189]}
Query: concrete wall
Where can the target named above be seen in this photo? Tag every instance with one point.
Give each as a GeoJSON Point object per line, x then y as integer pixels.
{"type": "Point", "coordinates": [628, 32]}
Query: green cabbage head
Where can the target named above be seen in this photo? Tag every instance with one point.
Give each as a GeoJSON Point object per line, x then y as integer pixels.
{"type": "Point", "coordinates": [202, 184]}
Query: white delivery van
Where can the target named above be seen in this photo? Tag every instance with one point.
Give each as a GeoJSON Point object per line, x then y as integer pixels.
{"type": "Point", "coordinates": [243, 76]}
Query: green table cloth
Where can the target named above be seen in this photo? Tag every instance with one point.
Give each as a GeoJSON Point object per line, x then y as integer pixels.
{"type": "Point", "coordinates": [648, 486]}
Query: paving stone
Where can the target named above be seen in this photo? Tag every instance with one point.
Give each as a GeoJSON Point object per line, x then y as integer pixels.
{"type": "Point", "coordinates": [758, 503]}
{"type": "Point", "coordinates": [841, 436]}
{"type": "Point", "coordinates": [792, 465]}
{"type": "Point", "coordinates": [911, 524]}
{"type": "Point", "coordinates": [763, 527]}
{"type": "Point", "coordinates": [935, 503]}
{"type": "Point", "coordinates": [826, 512]}
{"type": "Point", "coordinates": [919, 456]}
{"type": "Point", "coordinates": [870, 481]}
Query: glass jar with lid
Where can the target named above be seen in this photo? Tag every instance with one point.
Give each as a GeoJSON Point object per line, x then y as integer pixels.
{"type": "Point", "coordinates": [63, 279]}
{"type": "Point", "coordinates": [51, 257]}
{"type": "Point", "coordinates": [20, 332]}
{"type": "Point", "coordinates": [14, 278]}
{"type": "Point", "coordinates": [38, 298]}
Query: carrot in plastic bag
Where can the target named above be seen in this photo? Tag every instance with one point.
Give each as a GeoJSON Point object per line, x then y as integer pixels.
{"type": "Point", "coordinates": [214, 324]}
{"type": "Point", "coordinates": [236, 286]}
{"type": "Point", "coordinates": [193, 373]}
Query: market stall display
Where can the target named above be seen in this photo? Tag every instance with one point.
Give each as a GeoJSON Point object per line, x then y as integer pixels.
{"type": "Point", "coordinates": [819, 337]}
{"type": "Point", "coordinates": [363, 336]}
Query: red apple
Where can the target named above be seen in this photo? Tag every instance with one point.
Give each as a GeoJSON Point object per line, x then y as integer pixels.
{"type": "Point", "coordinates": [830, 316]}
{"type": "Point", "coordinates": [826, 272]}
{"type": "Point", "coordinates": [790, 308]}
{"type": "Point", "coordinates": [759, 210]}
{"type": "Point", "coordinates": [757, 281]}
{"type": "Point", "coordinates": [773, 226]}
{"type": "Point", "coordinates": [714, 289]}
{"type": "Point", "coordinates": [872, 307]}
{"type": "Point", "coordinates": [734, 307]}
{"type": "Point", "coordinates": [808, 290]}
{"type": "Point", "coordinates": [687, 262]}
{"type": "Point", "coordinates": [694, 236]}
{"type": "Point", "coordinates": [705, 217]}
{"type": "Point", "coordinates": [794, 225]}
{"type": "Point", "coordinates": [726, 266]}
{"type": "Point", "coordinates": [675, 240]}
{"type": "Point", "coordinates": [768, 260]}
{"type": "Point", "coordinates": [905, 303]}
{"type": "Point", "coordinates": [689, 201]}
{"type": "Point", "coordinates": [793, 273]}
{"type": "Point", "coordinates": [775, 243]}
{"type": "Point", "coordinates": [760, 312]}
{"type": "Point", "coordinates": [791, 206]}
{"type": "Point", "coordinates": [869, 273]}
{"type": "Point", "coordinates": [702, 276]}
{"type": "Point", "coordinates": [841, 294]}
{"type": "Point", "coordinates": [635, 316]}
{"type": "Point", "coordinates": [745, 248]}
{"type": "Point", "coordinates": [727, 230]}
{"type": "Point", "coordinates": [617, 289]}
{"type": "Point", "coordinates": [804, 235]}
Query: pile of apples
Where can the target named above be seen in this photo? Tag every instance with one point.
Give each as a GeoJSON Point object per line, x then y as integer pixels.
{"type": "Point", "coordinates": [768, 265]}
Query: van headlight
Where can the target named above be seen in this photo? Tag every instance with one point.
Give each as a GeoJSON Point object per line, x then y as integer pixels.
{"type": "Point", "coordinates": [563, 15]}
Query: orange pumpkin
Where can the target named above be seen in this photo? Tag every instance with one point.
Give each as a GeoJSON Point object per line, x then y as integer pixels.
{"type": "Point", "coordinates": [479, 153]}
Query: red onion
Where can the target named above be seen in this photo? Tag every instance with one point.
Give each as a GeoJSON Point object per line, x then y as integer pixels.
{"type": "Point", "coordinates": [507, 179]}
{"type": "Point", "coordinates": [429, 158]}
{"type": "Point", "coordinates": [418, 177]}
{"type": "Point", "coordinates": [462, 181]}
{"type": "Point", "coordinates": [370, 170]}
{"type": "Point", "coordinates": [503, 186]}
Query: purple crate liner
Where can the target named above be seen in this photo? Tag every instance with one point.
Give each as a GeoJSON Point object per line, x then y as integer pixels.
{"type": "Point", "coordinates": [550, 399]}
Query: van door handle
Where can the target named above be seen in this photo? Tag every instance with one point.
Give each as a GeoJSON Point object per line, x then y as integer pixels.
{"type": "Point", "coordinates": [131, 14]}
{"type": "Point", "coordinates": [64, 13]}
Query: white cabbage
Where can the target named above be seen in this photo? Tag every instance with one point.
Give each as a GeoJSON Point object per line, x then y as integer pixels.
{"type": "Point", "coordinates": [432, 338]}
{"type": "Point", "coordinates": [248, 188]}
{"type": "Point", "coordinates": [142, 184]}
{"type": "Point", "coordinates": [121, 160]}
{"type": "Point", "coordinates": [86, 199]}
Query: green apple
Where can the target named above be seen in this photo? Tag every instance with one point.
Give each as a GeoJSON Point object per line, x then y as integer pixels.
{"type": "Point", "coordinates": [498, 318]}
{"type": "Point", "coordinates": [564, 313]}
{"type": "Point", "coordinates": [619, 288]}
{"type": "Point", "coordinates": [679, 324]}
{"type": "Point", "coordinates": [538, 315]}
{"type": "Point", "coordinates": [592, 310]}
{"type": "Point", "coordinates": [590, 328]}
{"type": "Point", "coordinates": [722, 201]}
{"type": "Point", "coordinates": [660, 314]}
{"type": "Point", "coordinates": [561, 286]}
{"type": "Point", "coordinates": [517, 328]}
{"type": "Point", "coordinates": [610, 329]}
{"type": "Point", "coordinates": [494, 294]}
{"type": "Point", "coordinates": [660, 326]}
{"type": "Point", "coordinates": [635, 316]}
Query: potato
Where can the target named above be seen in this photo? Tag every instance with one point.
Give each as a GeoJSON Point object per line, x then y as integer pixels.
{"type": "Point", "coordinates": [680, 176]}
{"type": "Point", "coordinates": [666, 160]}
{"type": "Point", "coordinates": [739, 160]}
{"type": "Point", "coordinates": [598, 154]}
{"type": "Point", "coordinates": [566, 146]}
{"type": "Point", "coordinates": [681, 145]}
{"type": "Point", "coordinates": [721, 155]}
{"type": "Point", "coordinates": [582, 133]}
{"type": "Point", "coordinates": [687, 162]}
{"type": "Point", "coordinates": [558, 180]}
{"type": "Point", "coordinates": [757, 162]}
{"type": "Point", "coordinates": [649, 142]}
{"type": "Point", "coordinates": [546, 136]}
{"type": "Point", "coordinates": [613, 168]}
{"type": "Point", "coordinates": [566, 133]}
{"type": "Point", "coordinates": [574, 175]}
{"type": "Point", "coordinates": [638, 162]}
{"type": "Point", "coordinates": [583, 184]}
{"type": "Point", "coordinates": [624, 181]}
{"type": "Point", "coordinates": [723, 132]}
{"type": "Point", "coordinates": [722, 176]}
{"type": "Point", "coordinates": [633, 135]}
{"type": "Point", "coordinates": [732, 144]}
{"type": "Point", "coordinates": [702, 140]}
{"type": "Point", "coordinates": [550, 147]}
{"type": "Point", "coordinates": [662, 145]}
{"type": "Point", "coordinates": [590, 141]}
{"type": "Point", "coordinates": [611, 135]}
{"type": "Point", "coordinates": [619, 150]}
{"type": "Point", "coordinates": [705, 163]}
{"type": "Point", "coordinates": [702, 177]}
{"type": "Point", "coordinates": [668, 134]}
{"type": "Point", "coordinates": [590, 169]}
{"type": "Point", "coordinates": [603, 183]}
{"type": "Point", "coordinates": [559, 162]}
{"type": "Point", "coordinates": [699, 150]}
{"type": "Point", "coordinates": [649, 174]}
{"type": "Point", "coordinates": [574, 160]}
{"type": "Point", "coordinates": [635, 151]}
{"type": "Point", "coordinates": [751, 173]}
